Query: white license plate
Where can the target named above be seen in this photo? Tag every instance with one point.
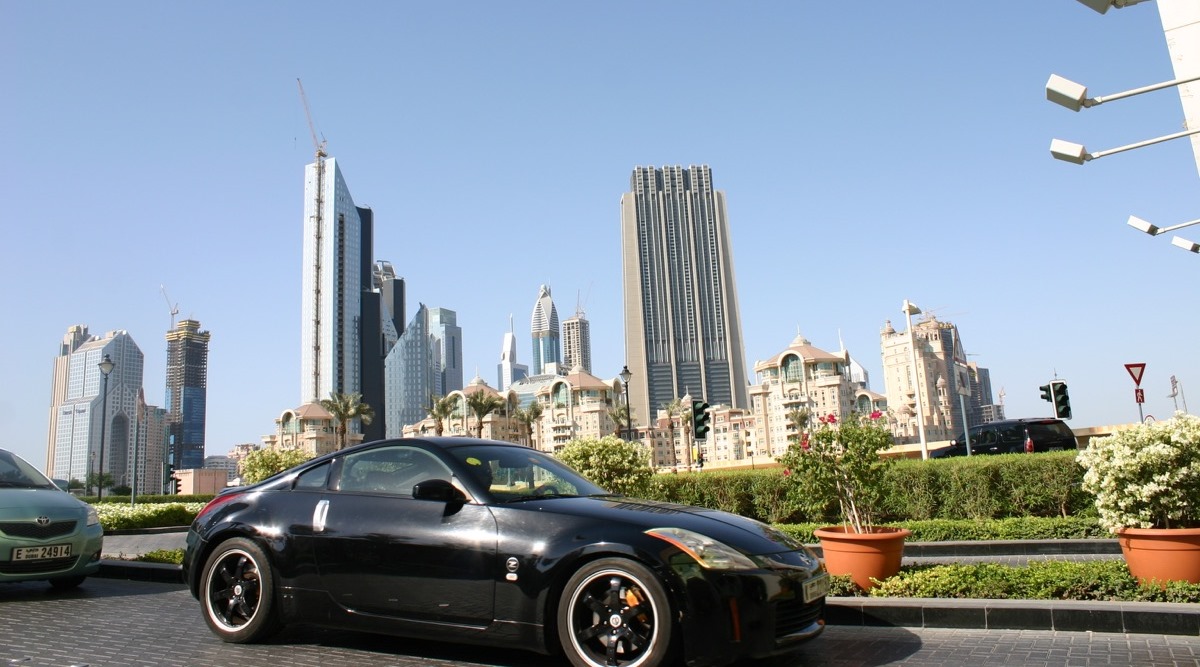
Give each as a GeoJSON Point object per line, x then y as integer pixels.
{"type": "Point", "coordinates": [42, 553]}
{"type": "Point", "coordinates": [815, 588]}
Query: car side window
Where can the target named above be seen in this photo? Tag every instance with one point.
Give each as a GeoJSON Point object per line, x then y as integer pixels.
{"type": "Point", "coordinates": [393, 470]}
{"type": "Point", "coordinates": [314, 479]}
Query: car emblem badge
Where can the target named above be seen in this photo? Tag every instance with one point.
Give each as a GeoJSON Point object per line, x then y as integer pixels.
{"type": "Point", "coordinates": [615, 620]}
{"type": "Point", "coordinates": [511, 564]}
{"type": "Point", "coordinates": [43, 521]}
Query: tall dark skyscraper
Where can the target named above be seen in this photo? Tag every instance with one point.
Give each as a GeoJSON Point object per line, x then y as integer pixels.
{"type": "Point", "coordinates": [683, 330]}
{"type": "Point", "coordinates": [187, 393]}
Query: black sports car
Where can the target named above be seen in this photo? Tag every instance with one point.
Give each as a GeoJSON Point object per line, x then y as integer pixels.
{"type": "Point", "coordinates": [493, 543]}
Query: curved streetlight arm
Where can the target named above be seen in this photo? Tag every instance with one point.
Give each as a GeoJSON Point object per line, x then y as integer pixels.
{"type": "Point", "coordinates": [1076, 153]}
{"type": "Point", "coordinates": [1070, 95]}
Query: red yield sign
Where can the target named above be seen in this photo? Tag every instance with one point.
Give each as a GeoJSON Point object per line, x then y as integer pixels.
{"type": "Point", "coordinates": [1135, 372]}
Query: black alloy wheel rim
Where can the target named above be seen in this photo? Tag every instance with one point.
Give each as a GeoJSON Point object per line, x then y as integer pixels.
{"type": "Point", "coordinates": [612, 619]}
{"type": "Point", "coordinates": [234, 590]}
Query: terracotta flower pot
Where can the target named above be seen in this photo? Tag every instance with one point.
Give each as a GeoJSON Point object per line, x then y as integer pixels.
{"type": "Point", "coordinates": [1162, 554]}
{"type": "Point", "coordinates": [864, 556]}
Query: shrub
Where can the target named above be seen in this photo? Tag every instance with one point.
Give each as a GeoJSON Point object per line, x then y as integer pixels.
{"type": "Point", "coordinates": [615, 464]}
{"type": "Point", "coordinates": [1147, 476]}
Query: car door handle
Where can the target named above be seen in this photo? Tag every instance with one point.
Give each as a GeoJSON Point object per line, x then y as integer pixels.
{"type": "Point", "coordinates": [319, 514]}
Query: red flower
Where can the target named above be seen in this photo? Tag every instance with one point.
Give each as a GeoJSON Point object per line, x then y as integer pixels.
{"type": "Point", "coordinates": [786, 472]}
{"type": "Point", "coordinates": [831, 419]}
{"type": "Point", "coordinates": [876, 415]}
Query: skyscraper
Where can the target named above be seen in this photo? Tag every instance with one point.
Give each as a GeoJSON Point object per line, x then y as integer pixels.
{"type": "Point", "coordinates": [78, 405]}
{"type": "Point", "coordinates": [331, 309]}
{"type": "Point", "coordinates": [409, 375]}
{"type": "Point", "coordinates": [577, 342]}
{"type": "Point", "coordinates": [187, 393]}
{"type": "Point", "coordinates": [446, 338]}
{"type": "Point", "coordinates": [342, 311]}
{"type": "Point", "coordinates": [547, 346]}
{"type": "Point", "coordinates": [683, 330]}
{"type": "Point", "coordinates": [508, 370]}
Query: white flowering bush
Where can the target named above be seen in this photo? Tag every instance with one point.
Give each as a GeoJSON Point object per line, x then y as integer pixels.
{"type": "Point", "coordinates": [1147, 476]}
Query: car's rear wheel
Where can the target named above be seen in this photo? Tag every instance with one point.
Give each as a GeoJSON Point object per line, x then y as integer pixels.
{"type": "Point", "coordinates": [238, 592]}
{"type": "Point", "coordinates": [615, 613]}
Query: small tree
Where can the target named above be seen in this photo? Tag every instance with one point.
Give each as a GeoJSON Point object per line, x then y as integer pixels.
{"type": "Point", "coordinates": [527, 417]}
{"type": "Point", "coordinates": [481, 405]}
{"type": "Point", "coordinates": [262, 463]}
{"type": "Point", "coordinates": [344, 408]}
{"type": "Point", "coordinates": [440, 408]}
{"type": "Point", "coordinates": [613, 463]}
{"type": "Point", "coordinates": [841, 464]}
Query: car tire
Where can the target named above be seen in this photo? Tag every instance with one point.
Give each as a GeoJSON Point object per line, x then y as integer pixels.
{"type": "Point", "coordinates": [66, 583]}
{"type": "Point", "coordinates": [237, 592]}
{"type": "Point", "coordinates": [615, 612]}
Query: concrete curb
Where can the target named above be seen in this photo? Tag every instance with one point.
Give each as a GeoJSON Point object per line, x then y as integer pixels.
{"type": "Point", "coordinates": [163, 573]}
{"type": "Point", "coordinates": [1160, 618]}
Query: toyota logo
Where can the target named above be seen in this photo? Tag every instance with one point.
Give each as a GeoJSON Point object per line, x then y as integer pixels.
{"type": "Point", "coordinates": [43, 521]}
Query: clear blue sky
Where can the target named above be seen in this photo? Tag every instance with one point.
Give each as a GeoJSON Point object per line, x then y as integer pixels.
{"type": "Point", "coordinates": [870, 153]}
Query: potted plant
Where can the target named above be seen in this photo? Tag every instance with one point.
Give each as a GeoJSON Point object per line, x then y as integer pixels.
{"type": "Point", "coordinates": [839, 464]}
{"type": "Point", "coordinates": [1146, 483]}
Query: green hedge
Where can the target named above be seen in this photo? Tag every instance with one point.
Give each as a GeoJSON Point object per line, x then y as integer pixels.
{"type": "Point", "coordinates": [955, 530]}
{"type": "Point", "coordinates": [151, 499]}
{"type": "Point", "coordinates": [1039, 580]}
{"type": "Point", "coordinates": [977, 487]}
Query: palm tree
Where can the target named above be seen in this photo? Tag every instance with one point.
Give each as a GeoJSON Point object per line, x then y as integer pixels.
{"type": "Point", "coordinates": [676, 408]}
{"type": "Point", "coordinates": [440, 407]}
{"type": "Point", "coordinates": [623, 418]}
{"type": "Point", "coordinates": [797, 421]}
{"type": "Point", "coordinates": [483, 404]}
{"type": "Point", "coordinates": [344, 408]}
{"type": "Point", "coordinates": [527, 417]}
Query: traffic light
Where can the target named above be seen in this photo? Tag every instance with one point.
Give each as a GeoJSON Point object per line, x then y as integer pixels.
{"type": "Point", "coordinates": [1047, 394]}
{"type": "Point", "coordinates": [175, 487]}
{"type": "Point", "coordinates": [700, 419]}
{"type": "Point", "coordinates": [1062, 400]}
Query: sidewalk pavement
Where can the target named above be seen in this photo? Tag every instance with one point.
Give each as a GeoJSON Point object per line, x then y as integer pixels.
{"type": "Point", "coordinates": [1065, 615]}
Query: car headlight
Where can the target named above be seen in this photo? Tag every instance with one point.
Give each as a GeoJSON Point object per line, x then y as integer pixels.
{"type": "Point", "coordinates": [708, 552]}
{"type": "Point", "coordinates": [93, 517]}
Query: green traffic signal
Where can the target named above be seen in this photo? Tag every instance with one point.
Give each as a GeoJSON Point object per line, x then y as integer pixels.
{"type": "Point", "coordinates": [700, 419]}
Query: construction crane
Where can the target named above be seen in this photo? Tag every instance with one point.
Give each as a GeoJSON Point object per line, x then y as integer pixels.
{"type": "Point", "coordinates": [173, 307]}
{"type": "Point", "coordinates": [318, 223]}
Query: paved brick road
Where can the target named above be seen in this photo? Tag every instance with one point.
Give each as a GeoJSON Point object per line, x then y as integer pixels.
{"type": "Point", "coordinates": [118, 623]}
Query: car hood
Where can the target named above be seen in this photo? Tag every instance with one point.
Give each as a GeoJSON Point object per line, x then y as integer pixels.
{"type": "Point", "coordinates": [749, 536]}
{"type": "Point", "coordinates": [22, 503]}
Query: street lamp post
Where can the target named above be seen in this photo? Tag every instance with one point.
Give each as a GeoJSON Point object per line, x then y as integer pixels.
{"type": "Point", "coordinates": [909, 309]}
{"type": "Point", "coordinates": [625, 376]}
{"type": "Point", "coordinates": [106, 366]}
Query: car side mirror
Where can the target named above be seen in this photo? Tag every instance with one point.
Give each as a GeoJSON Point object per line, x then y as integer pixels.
{"type": "Point", "coordinates": [440, 490]}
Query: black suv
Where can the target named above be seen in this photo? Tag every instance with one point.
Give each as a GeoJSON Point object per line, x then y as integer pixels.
{"type": "Point", "coordinates": [1013, 436]}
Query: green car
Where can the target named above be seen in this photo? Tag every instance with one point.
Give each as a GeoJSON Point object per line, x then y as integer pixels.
{"type": "Point", "coordinates": [45, 533]}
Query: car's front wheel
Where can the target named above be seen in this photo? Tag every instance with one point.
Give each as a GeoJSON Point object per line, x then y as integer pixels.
{"type": "Point", "coordinates": [238, 592]}
{"type": "Point", "coordinates": [615, 613]}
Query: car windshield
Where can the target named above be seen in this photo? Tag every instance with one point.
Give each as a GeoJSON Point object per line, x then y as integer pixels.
{"type": "Point", "coordinates": [15, 472]}
{"type": "Point", "coordinates": [518, 473]}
